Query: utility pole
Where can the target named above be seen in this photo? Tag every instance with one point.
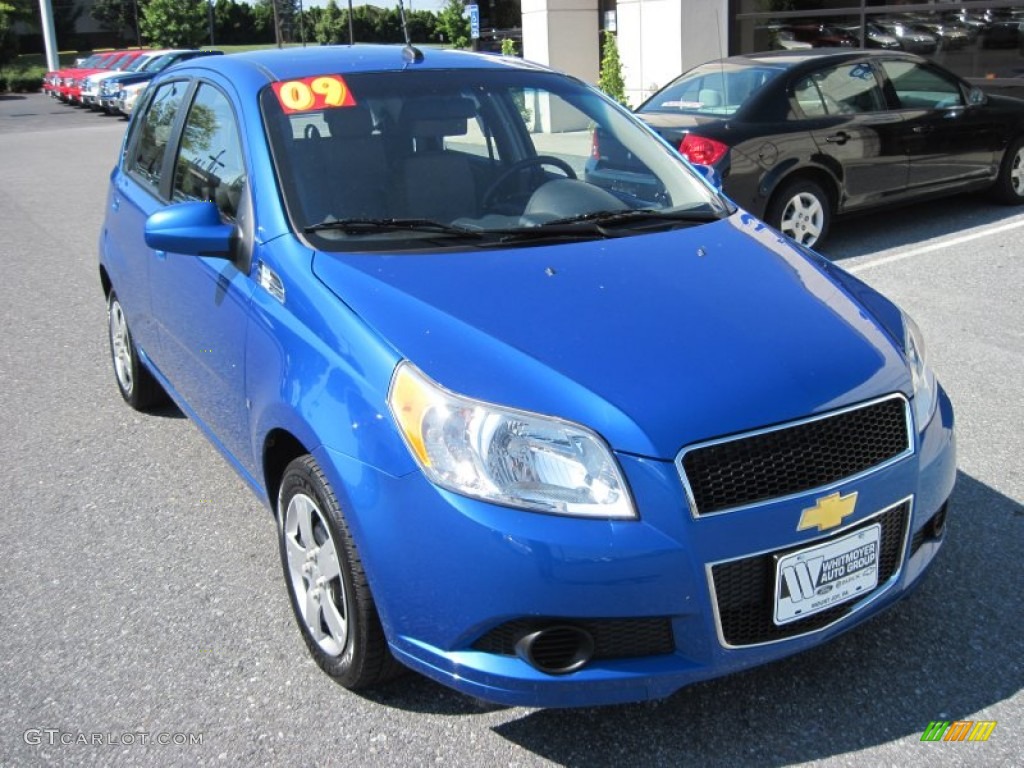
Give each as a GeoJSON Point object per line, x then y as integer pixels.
{"type": "Point", "coordinates": [49, 35]}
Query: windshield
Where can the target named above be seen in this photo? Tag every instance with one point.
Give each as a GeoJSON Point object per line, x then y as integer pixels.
{"type": "Point", "coordinates": [414, 158]}
{"type": "Point", "coordinates": [141, 62]}
{"type": "Point", "coordinates": [718, 88]}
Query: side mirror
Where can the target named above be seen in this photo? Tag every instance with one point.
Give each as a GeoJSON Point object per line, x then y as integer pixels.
{"type": "Point", "coordinates": [976, 97]}
{"type": "Point", "coordinates": [190, 228]}
{"type": "Point", "coordinates": [710, 175]}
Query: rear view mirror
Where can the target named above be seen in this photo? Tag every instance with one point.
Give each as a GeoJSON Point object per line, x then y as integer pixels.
{"type": "Point", "coordinates": [976, 96]}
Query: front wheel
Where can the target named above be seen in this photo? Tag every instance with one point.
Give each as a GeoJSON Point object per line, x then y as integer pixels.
{"type": "Point", "coordinates": [801, 210]}
{"type": "Point", "coordinates": [1009, 185]}
{"type": "Point", "coordinates": [329, 591]}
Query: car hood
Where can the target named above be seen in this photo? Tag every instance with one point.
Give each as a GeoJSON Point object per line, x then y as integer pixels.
{"type": "Point", "coordinates": [133, 78]}
{"type": "Point", "coordinates": [655, 341]}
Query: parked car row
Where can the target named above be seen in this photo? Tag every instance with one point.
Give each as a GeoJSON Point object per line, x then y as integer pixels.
{"type": "Point", "coordinates": [799, 137]}
{"type": "Point", "coordinates": [113, 80]}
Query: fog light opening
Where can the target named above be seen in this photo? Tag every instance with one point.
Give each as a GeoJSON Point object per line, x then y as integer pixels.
{"type": "Point", "coordinates": [556, 650]}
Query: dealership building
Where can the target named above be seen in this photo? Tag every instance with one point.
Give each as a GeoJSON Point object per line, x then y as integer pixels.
{"type": "Point", "coordinates": [658, 39]}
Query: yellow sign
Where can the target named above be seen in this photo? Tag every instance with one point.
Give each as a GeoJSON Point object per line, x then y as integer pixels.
{"type": "Point", "coordinates": [828, 512]}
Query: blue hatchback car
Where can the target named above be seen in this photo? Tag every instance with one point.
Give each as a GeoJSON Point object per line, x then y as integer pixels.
{"type": "Point", "coordinates": [547, 443]}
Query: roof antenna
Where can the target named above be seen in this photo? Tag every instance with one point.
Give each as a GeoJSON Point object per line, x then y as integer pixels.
{"type": "Point", "coordinates": [410, 53]}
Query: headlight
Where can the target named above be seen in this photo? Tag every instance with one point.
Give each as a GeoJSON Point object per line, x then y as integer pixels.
{"type": "Point", "coordinates": [506, 456]}
{"type": "Point", "coordinates": [922, 377]}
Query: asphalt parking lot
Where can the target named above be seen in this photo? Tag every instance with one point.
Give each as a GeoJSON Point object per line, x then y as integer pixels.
{"type": "Point", "coordinates": [140, 588]}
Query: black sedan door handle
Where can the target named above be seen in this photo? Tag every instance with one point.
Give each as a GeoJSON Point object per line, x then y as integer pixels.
{"type": "Point", "coordinates": [923, 128]}
{"type": "Point", "coordinates": [838, 138]}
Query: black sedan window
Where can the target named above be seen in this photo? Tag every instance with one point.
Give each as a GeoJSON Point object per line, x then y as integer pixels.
{"type": "Point", "coordinates": [719, 88]}
{"type": "Point", "coordinates": [920, 87]}
{"type": "Point", "coordinates": [848, 89]}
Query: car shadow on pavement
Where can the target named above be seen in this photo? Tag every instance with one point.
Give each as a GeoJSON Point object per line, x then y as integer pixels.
{"type": "Point", "coordinates": [947, 652]}
{"type": "Point", "coordinates": [905, 226]}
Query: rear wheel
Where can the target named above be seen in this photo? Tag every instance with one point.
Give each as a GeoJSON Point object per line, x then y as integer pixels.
{"type": "Point", "coordinates": [329, 591]}
{"type": "Point", "coordinates": [137, 385]}
{"type": "Point", "coordinates": [801, 210]}
{"type": "Point", "coordinates": [1009, 185]}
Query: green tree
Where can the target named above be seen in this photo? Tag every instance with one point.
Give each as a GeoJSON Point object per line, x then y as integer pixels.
{"type": "Point", "coordinates": [232, 22]}
{"type": "Point", "coordinates": [610, 80]}
{"type": "Point", "coordinates": [453, 25]}
{"type": "Point", "coordinates": [328, 27]}
{"type": "Point", "coordinates": [8, 41]}
{"type": "Point", "coordinates": [175, 23]}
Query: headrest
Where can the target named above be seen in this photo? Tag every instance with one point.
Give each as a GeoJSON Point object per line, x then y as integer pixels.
{"type": "Point", "coordinates": [349, 122]}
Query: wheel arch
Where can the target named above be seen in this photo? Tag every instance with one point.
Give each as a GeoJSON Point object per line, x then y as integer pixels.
{"type": "Point", "coordinates": [280, 448]}
{"type": "Point", "coordinates": [105, 282]}
{"type": "Point", "coordinates": [782, 176]}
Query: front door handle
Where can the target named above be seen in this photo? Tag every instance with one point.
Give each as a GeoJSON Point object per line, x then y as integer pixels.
{"type": "Point", "coordinates": [838, 138]}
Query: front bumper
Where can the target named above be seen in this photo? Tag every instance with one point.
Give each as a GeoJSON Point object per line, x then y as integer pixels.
{"type": "Point", "coordinates": [449, 572]}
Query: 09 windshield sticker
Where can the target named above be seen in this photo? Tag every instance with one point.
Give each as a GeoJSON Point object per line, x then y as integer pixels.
{"type": "Point", "coordinates": [313, 94]}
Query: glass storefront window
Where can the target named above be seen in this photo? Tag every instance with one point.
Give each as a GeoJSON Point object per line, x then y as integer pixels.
{"type": "Point", "coordinates": [984, 43]}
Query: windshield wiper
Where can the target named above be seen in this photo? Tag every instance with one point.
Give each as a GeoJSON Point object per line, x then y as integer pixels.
{"type": "Point", "coordinates": [371, 226]}
{"type": "Point", "coordinates": [696, 215]}
{"type": "Point", "coordinates": [604, 224]}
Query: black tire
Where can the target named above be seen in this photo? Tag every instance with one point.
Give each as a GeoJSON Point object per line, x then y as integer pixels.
{"type": "Point", "coordinates": [136, 384]}
{"type": "Point", "coordinates": [801, 210]}
{"type": "Point", "coordinates": [1009, 184]}
{"type": "Point", "coordinates": [329, 593]}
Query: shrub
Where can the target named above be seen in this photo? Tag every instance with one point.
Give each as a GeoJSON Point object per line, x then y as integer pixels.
{"type": "Point", "coordinates": [28, 80]}
{"type": "Point", "coordinates": [611, 80]}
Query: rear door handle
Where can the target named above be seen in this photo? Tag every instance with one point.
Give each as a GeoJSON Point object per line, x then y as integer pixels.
{"type": "Point", "coordinates": [838, 138]}
{"type": "Point", "coordinates": [923, 128]}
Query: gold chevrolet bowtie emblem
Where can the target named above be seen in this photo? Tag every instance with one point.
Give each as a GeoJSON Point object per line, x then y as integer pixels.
{"type": "Point", "coordinates": [828, 512]}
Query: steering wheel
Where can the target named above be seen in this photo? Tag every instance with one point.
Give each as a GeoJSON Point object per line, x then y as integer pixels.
{"type": "Point", "coordinates": [529, 162]}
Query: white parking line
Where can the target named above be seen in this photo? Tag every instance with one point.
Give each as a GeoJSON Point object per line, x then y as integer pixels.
{"type": "Point", "coordinates": [936, 246]}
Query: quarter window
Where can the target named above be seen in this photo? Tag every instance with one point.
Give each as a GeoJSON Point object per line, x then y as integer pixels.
{"type": "Point", "coordinates": [148, 156]}
{"type": "Point", "coordinates": [209, 165]}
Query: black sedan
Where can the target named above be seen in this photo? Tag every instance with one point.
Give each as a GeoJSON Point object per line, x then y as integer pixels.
{"type": "Point", "coordinates": [798, 137]}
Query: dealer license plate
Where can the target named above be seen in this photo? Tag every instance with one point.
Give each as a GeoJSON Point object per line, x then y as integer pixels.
{"type": "Point", "coordinates": [814, 579]}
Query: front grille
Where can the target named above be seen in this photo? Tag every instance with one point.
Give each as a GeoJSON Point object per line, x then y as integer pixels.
{"type": "Point", "coordinates": [795, 458]}
{"type": "Point", "coordinates": [613, 638]}
{"type": "Point", "coordinates": [744, 589]}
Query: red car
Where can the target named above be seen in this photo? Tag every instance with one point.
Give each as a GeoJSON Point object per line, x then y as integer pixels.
{"type": "Point", "coordinates": [53, 79]}
{"type": "Point", "coordinates": [70, 88]}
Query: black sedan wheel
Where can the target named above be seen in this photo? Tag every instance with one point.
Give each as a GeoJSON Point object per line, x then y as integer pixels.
{"type": "Point", "coordinates": [1009, 186]}
{"type": "Point", "coordinates": [802, 211]}
{"type": "Point", "coordinates": [329, 591]}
